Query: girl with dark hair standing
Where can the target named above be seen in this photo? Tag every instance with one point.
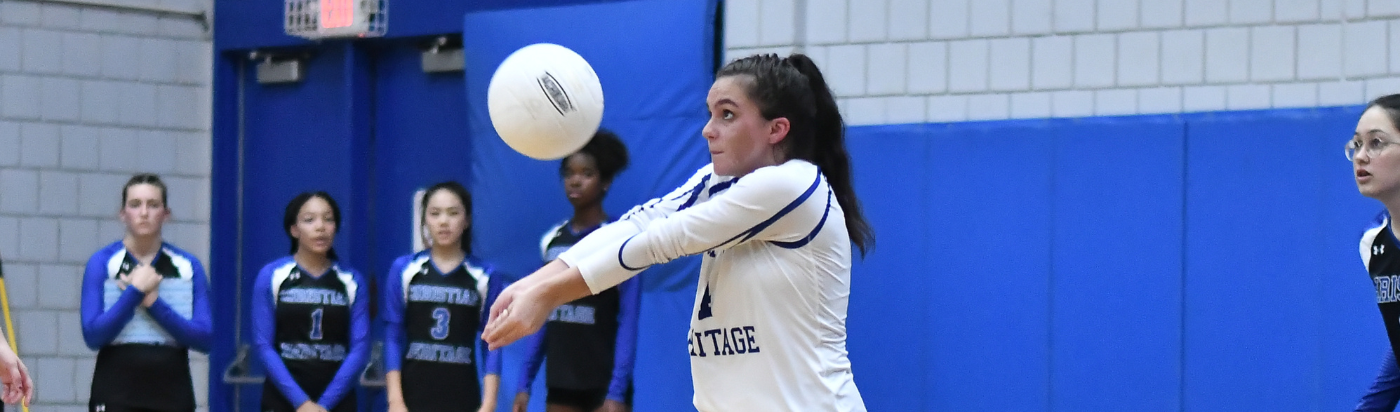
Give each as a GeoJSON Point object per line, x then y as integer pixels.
{"type": "Point", "coordinates": [433, 310]}
{"type": "Point", "coordinates": [144, 307]}
{"type": "Point", "coordinates": [774, 215]}
{"type": "Point", "coordinates": [1376, 167]}
{"type": "Point", "coordinates": [590, 342]}
{"type": "Point", "coordinates": [310, 316]}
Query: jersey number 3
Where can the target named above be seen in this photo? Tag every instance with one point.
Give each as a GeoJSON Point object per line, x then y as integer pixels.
{"type": "Point", "coordinates": [441, 316]}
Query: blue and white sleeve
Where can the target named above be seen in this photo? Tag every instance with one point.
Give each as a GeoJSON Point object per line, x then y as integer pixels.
{"type": "Point", "coordinates": [349, 373]}
{"type": "Point", "coordinates": [625, 355]}
{"type": "Point", "coordinates": [193, 332]}
{"type": "Point", "coordinates": [264, 322]}
{"type": "Point", "coordinates": [641, 217]}
{"type": "Point", "coordinates": [101, 325]}
{"type": "Point", "coordinates": [391, 313]}
{"type": "Point", "coordinates": [1385, 391]}
{"type": "Point", "coordinates": [770, 204]}
{"type": "Point", "coordinates": [494, 284]}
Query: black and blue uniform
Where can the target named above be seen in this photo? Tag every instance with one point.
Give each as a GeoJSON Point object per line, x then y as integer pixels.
{"type": "Point", "coordinates": [590, 343]}
{"type": "Point", "coordinates": [1380, 252]}
{"type": "Point", "coordinates": [433, 318]}
{"type": "Point", "coordinates": [143, 360]}
{"type": "Point", "coordinates": [312, 333]}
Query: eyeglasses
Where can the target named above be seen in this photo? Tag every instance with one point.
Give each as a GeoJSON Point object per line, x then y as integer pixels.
{"type": "Point", "coordinates": [1372, 146]}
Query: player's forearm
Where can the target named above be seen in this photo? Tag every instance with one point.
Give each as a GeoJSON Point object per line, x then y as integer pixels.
{"type": "Point", "coordinates": [192, 332]}
{"type": "Point", "coordinates": [489, 389]}
{"type": "Point", "coordinates": [101, 326]}
{"type": "Point", "coordinates": [561, 287]}
{"type": "Point", "coordinates": [393, 385]}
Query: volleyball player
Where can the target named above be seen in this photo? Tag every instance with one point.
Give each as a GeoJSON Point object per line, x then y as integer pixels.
{"type": "Point", "coordinates": [434, 308]}
{"type": "Point", "coordinates": [774, 216]}
{"type": "Point", "coordinates": [144, 306]}
{"type": "Point", "coordinates": [310, 316]}
{"type": "Point", "coordinates": [591, 342]}
{"type": "Point", "coordinates": [1376, 166]}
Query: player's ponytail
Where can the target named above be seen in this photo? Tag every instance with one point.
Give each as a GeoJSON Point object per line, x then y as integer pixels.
{"type": "Point", "coordinates": [829, 151]}
{"type": "Point", "coordinates": [794, 88]}
{"type": "Point", "coordinates": [289, 218]}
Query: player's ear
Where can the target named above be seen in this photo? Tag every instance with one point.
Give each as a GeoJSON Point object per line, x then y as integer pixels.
{"type": "Point", "coordinates": [778, 129]}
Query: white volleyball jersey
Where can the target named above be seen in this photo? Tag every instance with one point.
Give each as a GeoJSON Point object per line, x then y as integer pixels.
{"type": "Point", "coordinates": [769, 328]}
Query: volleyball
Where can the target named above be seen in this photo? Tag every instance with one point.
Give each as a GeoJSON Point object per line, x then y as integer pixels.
{"type": "Point", "coordinates": [545, 101]}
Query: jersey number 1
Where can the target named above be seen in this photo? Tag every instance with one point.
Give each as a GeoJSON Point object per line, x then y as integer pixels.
{"type": "Point", "coordinates": [704, 311]}
{"type": "Point", "coordinates": [316, 316]}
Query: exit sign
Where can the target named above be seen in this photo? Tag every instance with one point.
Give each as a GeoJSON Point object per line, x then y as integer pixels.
{"type": "Point", "coordinates": [323, 19]}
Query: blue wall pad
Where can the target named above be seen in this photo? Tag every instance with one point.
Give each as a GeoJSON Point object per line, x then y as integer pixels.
{"type": "Point", "coordinates": [1255, 190]}
{"type": "Point", "coordinates": [1115, 295]}
{"type": "Point", "coordinates": [890, 287]}
{"type": "Point", "coordinates": [989, 207]}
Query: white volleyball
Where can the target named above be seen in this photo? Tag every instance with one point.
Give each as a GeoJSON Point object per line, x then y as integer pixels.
{"type": "Point", "coordinates": [545, 101]}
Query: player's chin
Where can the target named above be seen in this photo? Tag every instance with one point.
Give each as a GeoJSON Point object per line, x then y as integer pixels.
{"type": "Point", "coordinates": [722, 165]}
{"type": "Point", "coordinates": [1376, 191]}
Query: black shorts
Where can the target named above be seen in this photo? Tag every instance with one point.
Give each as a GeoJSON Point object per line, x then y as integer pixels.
{"type": "Point", "coordinates": [583, 399]}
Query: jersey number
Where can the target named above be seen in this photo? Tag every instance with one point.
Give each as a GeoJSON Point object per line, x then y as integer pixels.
{"type": "Point", "coordinates": [316, 316]}
{"type": "Point", "coordinates": [442, 316]}
{"type": "Point", "coordinates": [704, 311]}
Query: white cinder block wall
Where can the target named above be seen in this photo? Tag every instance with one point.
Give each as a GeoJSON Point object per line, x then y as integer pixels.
{"type": "Point", "coordinates": [913, 61]}
{"type": "Point", "coordinates": [89, 96]}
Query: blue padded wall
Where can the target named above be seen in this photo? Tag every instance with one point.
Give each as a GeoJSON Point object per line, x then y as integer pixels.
{"type": "Point", "coordinates": [1116, 264]}
{"type": "Point", "coordinates": [1170, 262]}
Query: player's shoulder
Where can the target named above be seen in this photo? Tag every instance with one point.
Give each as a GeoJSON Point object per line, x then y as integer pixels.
{"type": "Point", "coordinates": [476, 263]}
{"type": "Point", "coordinates": [403, 262]}
{"type": "Point", "coordinates": [179, 253]}
{"type": "Point", "coordinates": [554, 229]}
{"type": "Point", "coordinates": [482, 269]}
{"type": "Point", "coordinates": [1375, 227]}
{"type": "Point", "coordinates": [344, 269]}
{"type": "Point", "coordinates": [791, 177]}
{"type": "Point", "coordinates": [280, 264]}
{"type": "Point", "coordinates": [105, 252]}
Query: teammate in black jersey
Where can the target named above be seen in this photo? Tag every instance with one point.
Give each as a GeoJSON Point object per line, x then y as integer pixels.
{"type": "Point", "coordinates": [144, 306]}
{"type": "Point", "coordinates": [310, 316]}
{"type": "Point", "coordinates": [590, 342]}
{"type": "Point", "coordinates": [433, 309]}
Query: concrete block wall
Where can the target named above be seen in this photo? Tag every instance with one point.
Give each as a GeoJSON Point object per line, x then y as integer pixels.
{"type": "Point", "coordinates": [914, 61]}
{"type": "Point", "coordinates": [88, 97]}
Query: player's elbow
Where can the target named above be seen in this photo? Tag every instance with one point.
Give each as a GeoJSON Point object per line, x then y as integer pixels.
{"type": "Point", "coordinates": [91, 339]}
{"type": "Point", "coordinates": [200, 340]}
